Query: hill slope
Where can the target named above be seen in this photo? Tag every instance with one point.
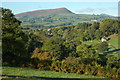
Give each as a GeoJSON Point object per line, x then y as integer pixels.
{"type": "Point", "coordinates": [45, 12]}
{"type": "Point", "coordinates": [55, 17]}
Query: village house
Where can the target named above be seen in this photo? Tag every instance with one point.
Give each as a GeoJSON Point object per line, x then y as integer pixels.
{"type": "Point", "coordinates": [104, 39]}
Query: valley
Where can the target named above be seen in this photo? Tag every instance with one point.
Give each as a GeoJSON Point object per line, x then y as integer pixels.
{"type": "Point", "coordinates": [59, 44]}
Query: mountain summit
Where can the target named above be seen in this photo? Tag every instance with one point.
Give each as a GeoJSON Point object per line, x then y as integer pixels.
{"type": "Point", "coordinates": [46, 12]}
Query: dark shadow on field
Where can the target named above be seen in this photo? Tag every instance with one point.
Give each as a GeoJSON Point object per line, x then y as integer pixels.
{"type": "Point", "coordinates": [112, 51]}
{"type": "Point", "coordinates": [11, 77]}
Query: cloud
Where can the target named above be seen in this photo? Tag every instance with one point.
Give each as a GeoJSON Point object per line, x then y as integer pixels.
{"type": "Point", "coordinates": [86, 10]}
{"type": "Point", "coordinates": [95, 10]}
{"type": "Point", "coordinates": [114, 8]}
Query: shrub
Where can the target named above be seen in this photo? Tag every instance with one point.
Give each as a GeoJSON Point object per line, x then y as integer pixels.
{"type": "Point", "coordinates": [44, 64]}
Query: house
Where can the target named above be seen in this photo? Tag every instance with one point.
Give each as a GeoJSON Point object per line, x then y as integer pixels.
{"type": "Point", "coordinates": [94, 20]}
{"type": "Point", "coordinates": [49, 34]}
{"type": "Point", "coordinates": [48, 29]}
{"type": "Point", "coordinates": [104, 39]}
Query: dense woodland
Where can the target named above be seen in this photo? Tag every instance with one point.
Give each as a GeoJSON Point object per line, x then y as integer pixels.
{"type": "Point", "coordinates": [62, 48]}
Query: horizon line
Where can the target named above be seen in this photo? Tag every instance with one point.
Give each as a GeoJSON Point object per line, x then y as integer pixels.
{"type": "Point", "coordinates": [67, 9]}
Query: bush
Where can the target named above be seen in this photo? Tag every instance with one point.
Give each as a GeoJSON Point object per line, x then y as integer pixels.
{"type": "Point", "coordinates": [44, 64]}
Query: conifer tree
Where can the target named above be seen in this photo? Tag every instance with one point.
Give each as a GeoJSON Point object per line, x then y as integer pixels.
{"type": "Point", "coordinates": [14, 40]}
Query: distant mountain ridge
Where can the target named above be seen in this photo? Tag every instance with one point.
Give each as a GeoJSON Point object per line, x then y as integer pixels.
{"type": "Point", "coordinates": [46, 12]}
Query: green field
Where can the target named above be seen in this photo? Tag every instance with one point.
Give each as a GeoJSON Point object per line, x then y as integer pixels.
{"type": "Point", "coordinates": [42, 74]}
{"type": "Point", "coordinates": [54, 20]}
{"type": "Point", "coordinates": [91, 42]}
{"type": "Point", "coordinates": [113, 41]}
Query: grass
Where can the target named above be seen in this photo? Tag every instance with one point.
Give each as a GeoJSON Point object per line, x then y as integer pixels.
{"type": "Point", "coordinates": [91, 42]}
{"type": "Point", "coordinates": [30, 72]}
{"type": "Point", "coordinates": [114, 41]}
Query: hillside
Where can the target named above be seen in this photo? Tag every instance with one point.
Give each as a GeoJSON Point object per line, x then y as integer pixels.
{"type": "Point", "coordinates": [89, 48]}
{"type": "Point", "coordinates": [55, 17]}
{"type": "Point", "coordinates": [45, 12]}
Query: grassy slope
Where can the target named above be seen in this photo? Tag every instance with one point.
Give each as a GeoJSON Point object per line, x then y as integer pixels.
{"type": "Point", "coordinates": [91, 42]}
{"type": "Point", "coordinates": [18, 71]}
{"type": "Point", "coordinates": [113, 41]}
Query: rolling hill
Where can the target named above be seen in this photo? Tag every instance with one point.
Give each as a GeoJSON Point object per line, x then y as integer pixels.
{"type": "Point", "coordinates": [55, 17]}
{"type": "Point", "coordinates": [46, 12]}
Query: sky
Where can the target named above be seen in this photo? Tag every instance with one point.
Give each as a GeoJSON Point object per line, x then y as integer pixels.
{"type": "Point", "coordinates": [78, 7]}
{"type": "Point", "coordinates": [60, 0]}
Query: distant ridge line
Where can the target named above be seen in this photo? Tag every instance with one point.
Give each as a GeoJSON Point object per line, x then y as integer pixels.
{"type": "Point", "coordinates": [46, 12]}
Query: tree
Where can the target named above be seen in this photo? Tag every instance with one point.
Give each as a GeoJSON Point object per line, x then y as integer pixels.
{"type": "Point", "coordinates": [109, 26]}
{"type": "Point", "coordinates": [60, 32]}
{"type": "Point", "coordinates": [99, 34]}
{"type": "Point", "coordinates": [55, 47]}
{"type": "Point", "coordinates": [101, 47]}
{"type": "Point", "coordinates": [84, 26]}
{"type": "Point", "coordinates": [95, 25]}
{"type": "Point", "coordinates": [70, 47]}
{"type": "Point", "coordinates": [82, 50]}
{"type": "Point", "coordinates": [14, 40]}
{"type": "Point", "coordinates": [34, 41]}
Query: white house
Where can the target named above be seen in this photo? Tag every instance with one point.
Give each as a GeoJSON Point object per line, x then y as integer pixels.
{"type": "Point", "coordinates": [104, 39]}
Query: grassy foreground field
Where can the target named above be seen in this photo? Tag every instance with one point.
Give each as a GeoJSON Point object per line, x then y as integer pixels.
{"type": "Point", "coordinates": [35, 74]}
